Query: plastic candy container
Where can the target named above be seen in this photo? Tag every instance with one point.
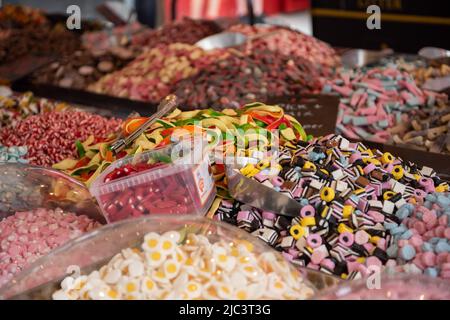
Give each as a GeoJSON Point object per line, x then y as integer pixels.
{"type": "Point", "coordinates": [40, 209]}
{"type": "Point", "coordinates": [169, 180]}
{"type": "Point", "coordinates": [162, 257]}
{"type": "Point", "coordinates": [397, 287]}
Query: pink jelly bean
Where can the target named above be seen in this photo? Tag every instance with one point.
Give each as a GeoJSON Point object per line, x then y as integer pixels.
{"type": "Point", "coordinates": [447, 233]}
{"type": "Point", "coordinates": [428, 259]}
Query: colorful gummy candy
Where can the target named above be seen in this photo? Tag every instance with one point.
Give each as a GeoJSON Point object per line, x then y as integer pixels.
{"type": "Point", "coordinates": [349, 193]}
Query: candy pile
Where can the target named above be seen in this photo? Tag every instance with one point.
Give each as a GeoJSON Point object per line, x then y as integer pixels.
{"type": "Point", "coordinates": [241, 79]}
{"type": "Point", "coordinates": [170, 267]}
{"type": "Point", "coordinates": [374, 100]}
{"type": "Point", "coordinates": [422, 241]}
{"type": "Point", "coordinates": [16, 16]}
{"type": "Point", "coordinates": [349, 194]}
{"type": "Point", "coordinates": [26, 236]}
{"type": "Point", "coordinates": [253, 123]}
{"type": "Point", "coordinates": [19, 106]}
{"type": "Point", "coordinates": [419, 70]}
{"type": "Point", "coordinates": [51, 137]}
{"type": "Point", "coordinates": [427, 129]}
{"type": "Point", "coordinates": [151, 76]}
{"type": "Point", "coordinates": [289, 42]}
{"type": "Point", "coordinates": [13, 154]}
{"type": "Point", "coordinates": [187, 31]}
{"type": "Point", "coordinates": [83, 67]}
{"type": "Point", "coordinates": [37, 40]}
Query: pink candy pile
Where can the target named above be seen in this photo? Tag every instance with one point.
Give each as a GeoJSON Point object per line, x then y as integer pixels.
{"type": "Point", "coordinates": [50, 137]}
{"type": "Point", "coordinates": [26, 236]}
{"type": "Point", "coordinates": [422, 242]}
{"type": "Point", "coordinates": [289, 42]}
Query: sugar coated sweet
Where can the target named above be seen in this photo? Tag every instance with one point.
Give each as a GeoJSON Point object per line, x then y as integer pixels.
{"type": "Point", "coordinates": [26, 236]}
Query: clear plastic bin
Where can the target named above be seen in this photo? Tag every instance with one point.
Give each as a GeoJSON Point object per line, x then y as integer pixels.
{"type": "Point", "coordinates": [25, 187]}
{"type": "Point", "coordinates": [183, 185]}
{"type": "Point", "coordinates": [391, 287]}
{"type": "Point", "coordinates": [95, 249]}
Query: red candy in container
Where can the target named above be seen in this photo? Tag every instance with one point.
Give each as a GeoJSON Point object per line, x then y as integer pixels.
{"type": "Point", "coordinates": [171, 180]}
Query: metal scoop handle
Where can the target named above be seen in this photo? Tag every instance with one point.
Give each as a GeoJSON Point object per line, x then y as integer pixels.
{"type": "Point", "coordinates": [168, 104]}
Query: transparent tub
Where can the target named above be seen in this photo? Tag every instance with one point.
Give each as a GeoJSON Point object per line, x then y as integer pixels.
{"type": "Point", "coordinates": [181, 184]}
{"type": "Point", "coordinates": [390, 287]}
{"type": "Point", "coordinates": [275, 277]}
{"type": "Point", "coordinates": [25, 187]}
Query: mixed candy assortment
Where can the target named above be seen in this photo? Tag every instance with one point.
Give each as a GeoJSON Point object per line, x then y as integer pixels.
{"type": "Point", "coordinates": [19, 106]}
{"type": "Point", "coordinates": [153, 74]}
{"type": "Point", "coordinates": [186, 31]}
{"type": "Point", "coordinates": [351, 195]}
{"type": "Point", "coordinates": [173, 265]}
{"type": "Point", "coordinates": [26, 236]}
{"type": "Point", "coordinates": [240, 79]}
{"type": "Point", "coordinates": [254, 122]}
{"type": "Point", "coordinates": [422, 241]}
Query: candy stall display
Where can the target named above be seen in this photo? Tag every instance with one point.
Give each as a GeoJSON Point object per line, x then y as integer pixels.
{"type": "Point", "coordinates": [315, 214]}
{"type": "Point", "coordinates": [53, 136]}
{"type": "Point", "coordinates": [181, 257]}
{"type": "Point", "coordinates": [352, 200]}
